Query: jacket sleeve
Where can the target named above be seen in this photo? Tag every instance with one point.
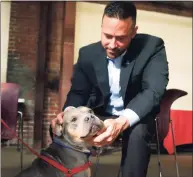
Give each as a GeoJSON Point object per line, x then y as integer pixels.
{"type": "Point", "coordinates": [154, 82]}
{"type": "Point", "coordinates": [80, 85]}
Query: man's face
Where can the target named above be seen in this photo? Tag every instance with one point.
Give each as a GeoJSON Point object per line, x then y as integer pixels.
{"type": "Point", "coordinates": [116, 35]}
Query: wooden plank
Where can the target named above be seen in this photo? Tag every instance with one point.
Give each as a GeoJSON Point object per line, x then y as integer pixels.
{"type": "Point", "coordinates": [40, 73]}
{"type": "Point", "coordinates": [174, 8]}
{"type": "Point", "coordinates": [68, 50]}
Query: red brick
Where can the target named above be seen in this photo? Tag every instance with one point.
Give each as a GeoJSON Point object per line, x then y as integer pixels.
{"type": "Point", "coordinates": [23, 48]}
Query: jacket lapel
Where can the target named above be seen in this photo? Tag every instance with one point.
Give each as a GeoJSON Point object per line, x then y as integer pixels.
{"type": "Point", "coordinates": [100, 67]}
{"type": "Point", "coordinates": [126, 70]}
{"type": "Point", "coordinates": [127, 66]}
{"type": "Point", "coordinates": [134, 53]}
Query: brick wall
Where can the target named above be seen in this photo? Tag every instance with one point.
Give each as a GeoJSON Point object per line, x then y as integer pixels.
{"type": "Point", "coordinates": [22, 56]}
{"type": "Point", "coordinates": [55, 43]}
{"type": "Point", "coordinates": [22, 60]}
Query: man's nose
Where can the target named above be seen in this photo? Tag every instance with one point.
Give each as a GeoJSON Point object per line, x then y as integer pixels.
{"type": "Point", "coordinates": [113, 44]}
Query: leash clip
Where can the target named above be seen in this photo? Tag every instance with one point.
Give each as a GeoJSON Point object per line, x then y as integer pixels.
{"type": "Point", "coordinates": [69, 171]}
{"type": "Point", "coordinates": [69, 174]}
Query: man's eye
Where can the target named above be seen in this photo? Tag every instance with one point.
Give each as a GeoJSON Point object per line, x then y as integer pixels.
{"type": "Point", "coordinates": [120, 38]}
{"type": "Point", "coordinates": [73, 119]}
{"type": "Point", "coordinates": [108, 36]}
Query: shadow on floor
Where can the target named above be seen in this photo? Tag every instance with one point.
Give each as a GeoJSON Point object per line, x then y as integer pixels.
{"type": "Point", "coordinates": [108, 167]}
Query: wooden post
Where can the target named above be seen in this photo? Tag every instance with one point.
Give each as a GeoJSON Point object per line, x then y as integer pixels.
{"type": "Point", "coordinates": [40, 73]}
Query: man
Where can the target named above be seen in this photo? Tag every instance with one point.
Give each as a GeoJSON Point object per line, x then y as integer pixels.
{"type": "Point", "coordinates": [122, 78]}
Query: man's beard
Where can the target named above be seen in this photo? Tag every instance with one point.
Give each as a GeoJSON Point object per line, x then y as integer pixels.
{"type": "Point", "coordinates": [115, 52]}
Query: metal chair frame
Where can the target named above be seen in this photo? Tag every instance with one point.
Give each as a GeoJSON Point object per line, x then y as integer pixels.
{"type": "Point", "coordinates": [19, 115]}
{"type": "Point", "coordinates": [179, 93]}
{"type": "Point", "coordinates": [20, 133]}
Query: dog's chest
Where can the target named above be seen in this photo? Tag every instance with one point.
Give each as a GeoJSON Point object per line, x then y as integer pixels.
{"type": "Point", "coordinates": [68, 158]}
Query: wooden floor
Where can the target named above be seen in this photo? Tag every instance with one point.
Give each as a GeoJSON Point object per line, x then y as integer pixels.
{"type": "Point", "coordinates": [10, 164]}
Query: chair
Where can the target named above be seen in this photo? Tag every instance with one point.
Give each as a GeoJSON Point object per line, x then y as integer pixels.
{"type": "Point", "coordinates": [9, 113]}
{"type": "Point", "coordinates": [163, 122]}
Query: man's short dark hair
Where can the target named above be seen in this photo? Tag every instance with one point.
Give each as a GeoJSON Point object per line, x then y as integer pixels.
{"type": "Point", "coordinates": [121, 10]}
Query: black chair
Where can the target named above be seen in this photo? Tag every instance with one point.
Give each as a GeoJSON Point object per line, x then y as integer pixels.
{"type": "Point", "coordinates": [9, 113]}
{"type": "Point", "coordinates": [163, 121]}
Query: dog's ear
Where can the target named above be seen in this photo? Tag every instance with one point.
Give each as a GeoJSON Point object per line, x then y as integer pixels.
{"type": "Point", "coordinates": [69, 108]}
{"type": "Point", "coordinates": [59, 128]}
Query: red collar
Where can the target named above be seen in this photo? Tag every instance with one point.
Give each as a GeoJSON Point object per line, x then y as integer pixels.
{"type": "Point", "coordinates": [68, 172]}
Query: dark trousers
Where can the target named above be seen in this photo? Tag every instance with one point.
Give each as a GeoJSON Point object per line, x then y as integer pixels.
{"type": "Point", "coordinates": [136, 150]}
{"type": "Point", "coordinates": [135, 147]}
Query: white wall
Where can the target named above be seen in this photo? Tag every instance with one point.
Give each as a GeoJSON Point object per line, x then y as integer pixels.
{"type": "Point", "coordinates": [88, 24]}
{"type": "Point", "coordinates": [177, 34]}
{"type": "Point", "coordinates": [5, 19]}
{"type": "Point", "coordinates": [175, 30]}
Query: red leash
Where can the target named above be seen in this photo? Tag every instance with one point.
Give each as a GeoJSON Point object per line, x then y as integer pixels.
{"type": "Point", "coordinates": [68, 172]}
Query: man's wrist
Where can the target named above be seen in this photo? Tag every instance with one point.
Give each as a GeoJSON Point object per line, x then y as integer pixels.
{"type": "Point", "coordinates": [124, 121]}
{"type": "Point", "coordinates": [131, 116]}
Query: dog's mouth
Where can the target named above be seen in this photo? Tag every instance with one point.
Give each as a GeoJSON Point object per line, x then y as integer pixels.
{"type": "Point", "coordinates": [94, 130]}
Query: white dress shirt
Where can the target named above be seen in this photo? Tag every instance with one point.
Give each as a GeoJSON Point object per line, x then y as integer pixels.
{"type": "Point", "coordinates": [115, 105]}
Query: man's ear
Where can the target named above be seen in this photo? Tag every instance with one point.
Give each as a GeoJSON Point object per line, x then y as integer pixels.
{"type": "Point", "coordinates": [134, 32]}
{"type": "Point", "coordinates": [69, 108]}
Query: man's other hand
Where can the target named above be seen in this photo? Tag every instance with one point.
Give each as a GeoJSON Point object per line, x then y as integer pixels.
{"type": "Point", "coordinates": [57, 120]}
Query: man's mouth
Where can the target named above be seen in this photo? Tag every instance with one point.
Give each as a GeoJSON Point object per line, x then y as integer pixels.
{"type": "Point", "coordinates": [112, 51]}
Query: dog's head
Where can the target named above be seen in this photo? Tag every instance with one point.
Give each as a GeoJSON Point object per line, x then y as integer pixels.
{"type": "Point", "coordinates": [79, 123]}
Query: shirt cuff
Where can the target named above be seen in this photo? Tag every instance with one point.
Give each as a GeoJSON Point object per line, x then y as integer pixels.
{"type": "Point", "coordinates": [132, 116]}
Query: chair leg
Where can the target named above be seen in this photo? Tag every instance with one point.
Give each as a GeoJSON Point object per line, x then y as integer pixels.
{"type": "Point", "coordinates": [174, 145]}
{"type": "Point", "coordinates": [21, 145]}
{"type": "Point", "coordinates": [158, 147]}
{"type": "Point", "coordinates": [18, 133]}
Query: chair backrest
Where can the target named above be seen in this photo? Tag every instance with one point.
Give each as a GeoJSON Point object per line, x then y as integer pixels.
{"type": "Point", "coordinates": [9, 106]}
{"type": "Point", "coordinates": [164, 115]}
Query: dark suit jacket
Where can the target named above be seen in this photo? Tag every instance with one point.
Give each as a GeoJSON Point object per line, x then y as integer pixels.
{"type": "Point", "coordinates": [143, 78]}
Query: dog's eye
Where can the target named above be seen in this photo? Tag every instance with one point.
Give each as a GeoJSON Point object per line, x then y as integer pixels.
{"type": "Point", "coordinates": [73, 119]}
{"type": "Point", "coordinates": [90, 111]}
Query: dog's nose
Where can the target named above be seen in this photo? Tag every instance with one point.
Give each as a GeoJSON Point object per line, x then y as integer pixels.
{"type": "Point", "coordinates": [87, 119]}
{"type": "Point", "coordinates": [92, 116]}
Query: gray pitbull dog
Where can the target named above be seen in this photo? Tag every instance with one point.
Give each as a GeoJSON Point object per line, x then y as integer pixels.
{"type": "Point", "coordinates": [68, 147]}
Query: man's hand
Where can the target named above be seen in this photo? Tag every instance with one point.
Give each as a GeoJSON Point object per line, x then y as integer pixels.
{"type": "Point", "coordinates": [113, 128]}
{"type": "Point", "coordinates": [57, 120]}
